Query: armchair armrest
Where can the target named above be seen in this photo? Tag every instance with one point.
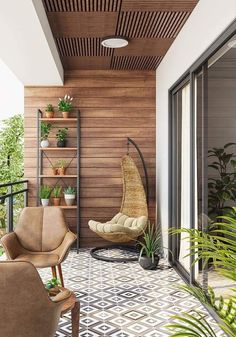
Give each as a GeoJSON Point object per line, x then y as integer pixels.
{"type": "Point", "coordinates": [68, 240]}
{"type": "Point", "coordinates": [11, 245]}
{"type": "Point", "coordinates": [62, 296]}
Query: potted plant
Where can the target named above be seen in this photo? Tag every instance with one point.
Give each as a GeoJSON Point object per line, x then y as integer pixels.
{"type": "Point", "coordinates": [49, 111]}
{"type": "Point", "coordinates": [45, 130]}
{"type": "Point", "coordinates": [61, 167]}
{"type": "Point", "coordinates": [69, 194]}
{"type": "Point", "coordinates": [54, 169]}
{"type": "Point", "coordinates": [53, 286]}
{"type": "Point", "coordinates": [61, 137]}
{"type": "Point", "coordinates": [56, 195]}
{"type": "Point", "coordinates": [65, 105]}
{"type": "Point", "coordinates": [44, 193]}
{"type": "Point", "coordinates": [150, 248]}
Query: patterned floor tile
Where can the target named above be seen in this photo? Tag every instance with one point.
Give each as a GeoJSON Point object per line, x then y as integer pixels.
{"type": "Point", "coordinates": [122, 299]}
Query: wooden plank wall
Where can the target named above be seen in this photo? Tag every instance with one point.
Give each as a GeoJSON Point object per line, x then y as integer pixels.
{"type": "Point", "coordinates": [113, 105]}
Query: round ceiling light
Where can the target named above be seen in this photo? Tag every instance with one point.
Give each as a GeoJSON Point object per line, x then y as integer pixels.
{"type": "Point", "coordinates": [114, 42]}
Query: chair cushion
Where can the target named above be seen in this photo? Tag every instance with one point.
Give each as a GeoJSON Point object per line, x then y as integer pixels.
{"type": "Point", "coordinates": [120, 223]}
{"type": "Point", "coordinates": [39, 260]}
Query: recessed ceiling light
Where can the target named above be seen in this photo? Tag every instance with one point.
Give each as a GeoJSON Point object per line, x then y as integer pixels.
{"type": "Point", "coordinates": [114, 42]}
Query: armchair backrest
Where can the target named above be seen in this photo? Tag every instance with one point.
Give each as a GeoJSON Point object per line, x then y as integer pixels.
{"type": "Point", "coordinates": [25, 308]}
{"type": "Point", "coordinates": [41, 229]}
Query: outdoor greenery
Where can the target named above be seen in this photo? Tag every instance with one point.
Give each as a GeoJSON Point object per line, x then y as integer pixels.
{"type": "Point", "coordinates": [62, 134]}
{"type": "Point", "coordinates": [219, 247]}
{"type": "Point", "coordinates": [45, 130]}
{"type": "Point", "coordinates": [151, 244]}
{"type": "Point", "coordinates": [65, 104]}
{"type": "Point", "coordinates": [45, 192]}
{"type": "Point", "coordinates": [11, 163]}
{"type": "Point", "coordinates": [222, 188]}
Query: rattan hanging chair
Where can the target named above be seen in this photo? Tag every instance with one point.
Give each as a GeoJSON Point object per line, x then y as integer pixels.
{"type": "Point", "coordinates": [131, 221]}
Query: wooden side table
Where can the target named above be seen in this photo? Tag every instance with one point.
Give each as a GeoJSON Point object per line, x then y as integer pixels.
{"type": "Point", "coordinates": [73, 305]}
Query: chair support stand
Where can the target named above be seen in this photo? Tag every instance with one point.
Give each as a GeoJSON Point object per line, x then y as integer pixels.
{"type": "Point", "coordinates": [54, 273]}
{"type": "Point", "coordinates": [94, 252]}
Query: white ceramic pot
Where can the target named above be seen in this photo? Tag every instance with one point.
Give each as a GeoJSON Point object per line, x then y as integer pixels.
{"type": "Point", "coordinates": [45, 202]}
{"type": "Point", "coordinates": [69, 199]}
{"type": "Point", "coordinates": [45, 143]}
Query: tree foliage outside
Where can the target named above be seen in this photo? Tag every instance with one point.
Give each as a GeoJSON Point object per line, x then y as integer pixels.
{"type": "Point", "coordinates": [11, 163]}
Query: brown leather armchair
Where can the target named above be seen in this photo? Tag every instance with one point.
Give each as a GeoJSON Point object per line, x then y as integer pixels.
{"type": "Point", "coordinates": [41, 237]}
{"type": "Point", "coordinates": [25, 307]}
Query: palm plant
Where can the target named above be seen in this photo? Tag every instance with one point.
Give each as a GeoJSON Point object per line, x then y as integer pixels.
{"type": "Point", "coordinates": [220, 247]}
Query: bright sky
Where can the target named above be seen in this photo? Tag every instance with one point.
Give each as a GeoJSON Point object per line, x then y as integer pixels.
{"type": "Point", "coordinates": [11, 93]}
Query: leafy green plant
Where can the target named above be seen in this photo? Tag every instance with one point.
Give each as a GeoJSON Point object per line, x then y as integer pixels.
{"type": "Point", "coordinates": [52, 283]}
{"type": "Point", "coordinates": [49, 108]}
{"type": "Point", "coordinates": [56, 191]}
{"type": "Point", "coordinates": [61, 163]}
{"type": "Point", "coordinates": [62, 134]}
{"type": "Point", "coordinates": [220, 247]}
{"type": "Point", "coordinates": [1, 251]}
{"type": "Point", "coordinates": [151, 244]}
{"type": "Point", "coordinates": [45, 130]}
{"type": "Point", "coordinates": [222, 188]}
{"type": "Point", "coordinates": [69, 190]}
{"type": "Point", "coordinates": [45, 192]}
{"type": "Point", "coordinates": [65, 104]}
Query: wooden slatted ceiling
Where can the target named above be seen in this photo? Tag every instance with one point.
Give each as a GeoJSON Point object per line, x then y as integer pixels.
{"type": "Point", "coordinates": [113, 105]}
{"type": "Point", "coordinates": [150, 25]}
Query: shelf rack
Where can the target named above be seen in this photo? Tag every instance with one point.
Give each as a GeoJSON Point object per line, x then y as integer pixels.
{"type": "Point", "coordinates": [45, 152]}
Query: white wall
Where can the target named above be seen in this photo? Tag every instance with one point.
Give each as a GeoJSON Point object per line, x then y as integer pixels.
{"type": "Point", "coordinates": [208, 20]}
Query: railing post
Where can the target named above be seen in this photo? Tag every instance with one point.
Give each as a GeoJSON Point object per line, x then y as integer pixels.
{"type": "Point", "coordinates": [9, 210]}
{"type": "Point", "coordinates": [26, 194]}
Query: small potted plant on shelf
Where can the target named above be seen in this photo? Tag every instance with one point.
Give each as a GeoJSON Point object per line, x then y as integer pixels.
{"type": "Point", "coordinates": [65, 105]}
{"type": "Point", "coordinates": [150, 248]}
{"type": "Point", "coordinates": [61, 167]}
{"type": "Point", "coordinates": [56, 195]}
{"type": "Point", "coordinates": [61, 137]}
{"type": "Point", "coordinates": [45, 130]}
{"type": "Point", "coordinates": [49, 111]}
{"type": "Point", "coordinates": [44, 194]}
{"type": "Point", "coordinates": [54, 169]}
{"type": "Point", "coordinates": [69, 194]}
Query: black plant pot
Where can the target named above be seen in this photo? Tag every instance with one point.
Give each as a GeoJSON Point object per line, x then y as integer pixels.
{"type": "Point", "coordinates": [147, 263]}
{"type": "Point", "coordinates": [61, 143]}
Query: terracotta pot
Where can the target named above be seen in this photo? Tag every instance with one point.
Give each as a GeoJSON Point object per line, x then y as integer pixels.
{"type": "Point", "coordinates": [49, 114]}
{"type": "Point", "coordinates": [54, 170]}
{"type": "Point", "coordinates": [65, 114]}
{"type": "Point", "coordinates": [61, 171]}
{"type": "Point", "coordinates": [56, 201]}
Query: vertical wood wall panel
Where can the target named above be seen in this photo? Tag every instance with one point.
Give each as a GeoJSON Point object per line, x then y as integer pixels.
{"type": "Point", "coordinates": [113, 106]}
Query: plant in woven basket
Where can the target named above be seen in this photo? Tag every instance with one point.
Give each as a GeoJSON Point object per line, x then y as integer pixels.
{"type": "Point", "coordinates": [61, 166]}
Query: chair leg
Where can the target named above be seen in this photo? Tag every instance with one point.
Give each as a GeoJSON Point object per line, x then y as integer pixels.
{"type": "Point", "coordinates": [54, 272]}
{"type": "Point", "coordinates": [75, 312]}
{"type": "Point", "coordinates": [60, 275]}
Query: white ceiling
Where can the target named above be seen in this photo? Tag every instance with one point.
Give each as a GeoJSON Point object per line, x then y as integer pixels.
{"type": "Point", "coordinates": [27, 44]}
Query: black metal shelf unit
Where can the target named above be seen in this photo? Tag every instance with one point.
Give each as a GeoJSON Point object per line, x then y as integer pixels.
{"type": "Point", "coordinates": [41, 153]}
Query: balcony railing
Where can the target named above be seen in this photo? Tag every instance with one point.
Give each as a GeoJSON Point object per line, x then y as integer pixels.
{"type": "Point", "coordinates": [12, 195]}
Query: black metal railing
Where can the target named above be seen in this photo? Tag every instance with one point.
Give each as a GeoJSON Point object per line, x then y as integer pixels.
{"type": "Point", "coordinates": [7, 199]}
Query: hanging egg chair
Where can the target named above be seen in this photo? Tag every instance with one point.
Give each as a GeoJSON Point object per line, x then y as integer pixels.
{"type": "Point", "coordinates": [131, 221]}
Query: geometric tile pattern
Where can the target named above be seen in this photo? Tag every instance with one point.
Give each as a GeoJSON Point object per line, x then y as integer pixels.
{"type": "Point", "coordinates": [122, 299]}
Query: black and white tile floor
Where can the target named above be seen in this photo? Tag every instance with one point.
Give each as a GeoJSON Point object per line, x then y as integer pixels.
{"type": "Point", "coordinates": [123, 300]}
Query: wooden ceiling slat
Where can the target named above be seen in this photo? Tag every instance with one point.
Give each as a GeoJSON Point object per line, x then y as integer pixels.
{"type": "Point", "coordinates": [150, 25]}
